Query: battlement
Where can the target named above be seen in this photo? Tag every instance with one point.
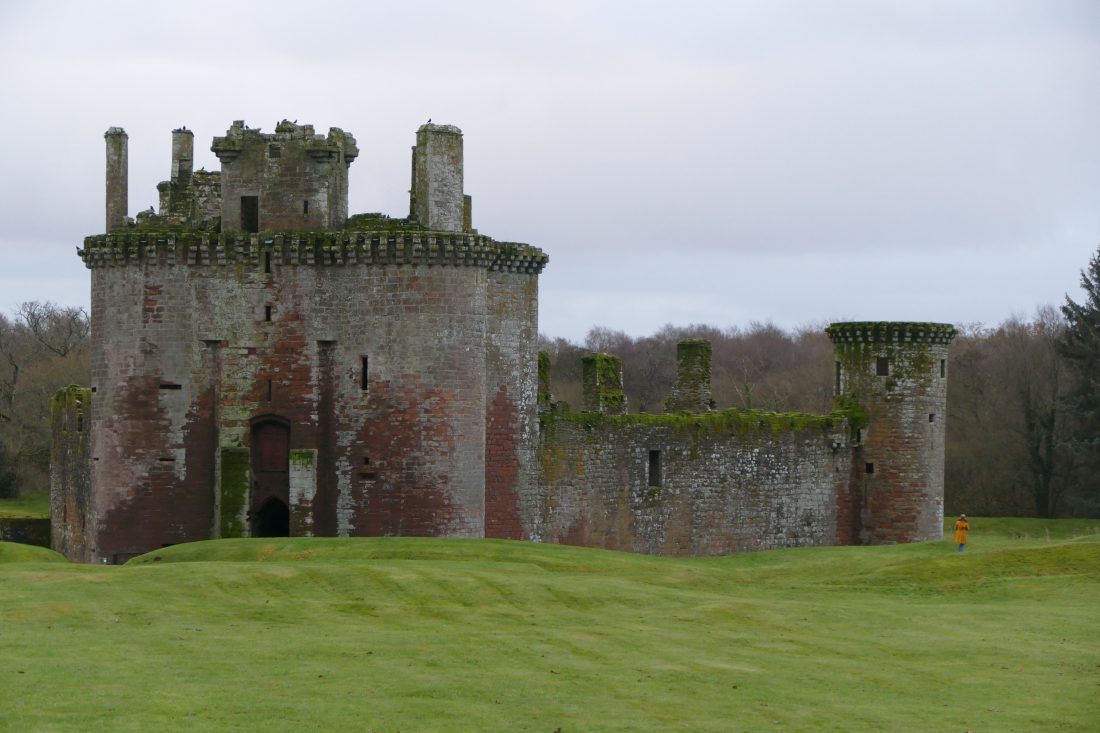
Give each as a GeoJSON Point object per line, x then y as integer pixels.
{"type": "Point", "coordinates": [891, 332]}
{"type": "Point", "coordinates": [311, 249]}
{"type": "Point", "coordinates": [239, 137]}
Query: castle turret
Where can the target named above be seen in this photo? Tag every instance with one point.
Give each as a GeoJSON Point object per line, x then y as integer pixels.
{"type": "Point", "coordinates": [437, 198]}
{"type": "Point", "coordinates": [117, 174]}
{"type": "Point", "coordinates": [897, 373]}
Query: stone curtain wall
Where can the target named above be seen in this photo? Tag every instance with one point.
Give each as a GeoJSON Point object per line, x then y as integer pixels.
{"type": "Point", "coordinates": [727, 482]}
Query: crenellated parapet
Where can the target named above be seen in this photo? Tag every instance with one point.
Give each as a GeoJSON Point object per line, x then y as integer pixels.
{"type": "Point", "coordinates": [239, 137]}
{"type": "Point", "coordinates": [263, 250]}
{"type": "Point", "coordinates": [878, 332]}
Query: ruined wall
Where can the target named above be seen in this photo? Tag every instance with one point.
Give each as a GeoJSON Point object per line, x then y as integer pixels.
{"type": "Point", "coordinates": [437, 199]}
{"type": "Point", "coordinates": [198, 340]}
{"type": "Point", "coordinates": [692, 484]}
{"type": "Point", "coordinates": [70, 474]}
{"type": "Point", "coordinates": [896, 373]}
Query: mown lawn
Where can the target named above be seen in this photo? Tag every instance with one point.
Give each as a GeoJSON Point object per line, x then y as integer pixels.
{"type": "Point", "coordinates": [477, 635]}
{"type": "Point", "coordinates": [37, 506]}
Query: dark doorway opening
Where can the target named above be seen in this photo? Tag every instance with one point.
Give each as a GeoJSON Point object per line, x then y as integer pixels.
{"type": "Point", "coordinates": [250, 213]}
{"type": "Point", "coordinates": [270, 454]}
{"type": "Point", "coordinates": [273, 519]}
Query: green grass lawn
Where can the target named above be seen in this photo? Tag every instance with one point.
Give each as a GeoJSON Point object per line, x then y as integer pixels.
{"type": "Point", "coordinates": [479, 635]}
{"type": "Point", "coordinates": [34, 507]}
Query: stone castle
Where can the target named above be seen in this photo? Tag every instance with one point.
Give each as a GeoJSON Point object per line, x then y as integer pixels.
{"type": "Point", "coordinates": [265, 365]}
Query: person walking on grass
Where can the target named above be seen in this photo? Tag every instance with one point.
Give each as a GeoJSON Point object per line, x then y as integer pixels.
{"type": "Point", "coordinates": [962, 526]}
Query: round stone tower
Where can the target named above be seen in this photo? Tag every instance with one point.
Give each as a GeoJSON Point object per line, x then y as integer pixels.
{"type": "Point", "coordinates": [895, 373]}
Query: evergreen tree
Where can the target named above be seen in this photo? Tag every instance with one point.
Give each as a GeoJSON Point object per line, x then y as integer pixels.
{"type": "Point", "coordinates": [1080, 346]}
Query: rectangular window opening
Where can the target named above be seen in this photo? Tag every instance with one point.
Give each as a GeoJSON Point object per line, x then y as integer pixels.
{"type": "Point", "coordinates": [882, 366]}
{"type": "Point", "coordinates": [363, 375]}
{"type": "Point", "coordinates": [250, 213]}
{"type": "Point", "coordinates": [267, 262]}
{"type": "Point", "coordinates": [166, 459]}
{"type": "Point", "coordinates": [366, 460]}
{"type": "Point", "coordinates": [859, 435]}
{"type": "Point", "coordinates": [870, 468]}
{"type": "Point", "coordinates": [269, 390]}
{"type": "Point", "coordinates": [274, 151]}
{"type": "Point", "coordinates": [267, 312]}
{"type": "Point", "coordinates": [837, 388]}
{"type": "Point", "coordinates": [305, 207]}
{"type": "Point", "coordinates": [931, 417]}
{"type": "Point", "coordinates": [80, 423]}
{"type": "Point", "coordinates": [655, 468]}
{"type": "Point", "coordinates": [943, 367]}
{"type": "Point", "coordinates": [367, 476]}
{"type": "Point", "coordinates": [171, 386]}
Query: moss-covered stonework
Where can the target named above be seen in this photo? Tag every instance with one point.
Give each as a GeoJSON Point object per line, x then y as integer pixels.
{"type": "Point", "coordinates": [71, 506]}
{"type": "Point", "coordinates": [235, 481]}
{"type": "Point", "coordinates": [692, 390]}
{"type": "Point", "coordinates": [602, 383]}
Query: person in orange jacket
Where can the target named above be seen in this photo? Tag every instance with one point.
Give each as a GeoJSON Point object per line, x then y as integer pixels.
{"type": "Point", "coordinates": [962, 526]}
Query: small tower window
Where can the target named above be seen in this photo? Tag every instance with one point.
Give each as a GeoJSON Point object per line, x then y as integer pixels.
{"type": "Point", "coordinates": [655, 468]}
{"type": "Point", "coordinates": [882, 366]}
{"type": "Point", "coordinates": [274, 151]}
{"type": "Point", "coordinates": [869, 468]}
{"type": "Point", "coordinates": [267, 262]}
{"type": "Point", "coordinates": [943, 367]}
{"type": "Point", "coordinates": [931, 417]}
{"type": "Point", "coordinates": [267, 312]}
{"type": "Point", "coordinates": [250, 213]}
{"type": "Point", "coordinates": [270, 390]}
{"type": "Point", "coordinates": [838, 377]}
{"type": "Point", "coordinates": [363, 374]}
{"type": "Point", "coordinates": [305, 207]}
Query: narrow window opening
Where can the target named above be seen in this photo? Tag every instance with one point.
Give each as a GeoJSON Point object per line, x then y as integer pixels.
{"type": "Point", "coordinates": [363, 375]}
{"type": "Point", "coordinates": [269, 390]}
{"type": "Point", "coordinates": [305, 207]}
{"type": "Point", "coordinates": [166, 459]}
{"type": "Point", "coordinates": [655, 468]}
{"type": "Point", "coordinates": [80, 423]}
{"type": "Point", "coordinates": [274, 151]}
{"type": "Point", "coordinates": [171, 386]}
{"type": "Point", "coordinates": [882, 366]}
{"type": "Point", "coordinates": [267, 312]}
{"type": "Point", "coordinates": [837, 378]}
{"type": "Point", "coordinates": [859, 435]}
{"type": "Point", "coordinates": [870, 468]}
{"type": "Point", "coordinates": [267, 262]}
{"type": "Point", "coordinates": [366, 460]}
{"type": "Point", "coordinates": [250, 213]}
{"type": "Point", "coordinates": [931, 417]}
{"type": "Point", "coordinates": [943, 367]}
{"type": "Point", "coordinates": [93, 389]}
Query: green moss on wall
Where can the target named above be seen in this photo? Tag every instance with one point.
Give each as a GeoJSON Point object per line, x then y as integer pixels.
{"type": "Point", "coordinates": [234, 490]}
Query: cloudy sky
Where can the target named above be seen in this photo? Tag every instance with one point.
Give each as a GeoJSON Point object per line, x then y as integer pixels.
{"type": "Point", "coordinates": [682, 162]}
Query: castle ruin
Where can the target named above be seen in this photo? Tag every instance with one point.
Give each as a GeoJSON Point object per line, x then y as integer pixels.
{"type": "Point", "coordinates": [265, 365]}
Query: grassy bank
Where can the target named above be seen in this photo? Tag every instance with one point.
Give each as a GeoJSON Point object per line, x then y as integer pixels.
{"type": "Point", "coordinates": [424, 635]}
{"type": "Point", "coordinates": [31, 507]}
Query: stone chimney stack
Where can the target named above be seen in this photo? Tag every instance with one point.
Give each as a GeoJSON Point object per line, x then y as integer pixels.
{"type": "Point", "coordinates": [602, 384]}
{"type": "Point", "coordinates": [437, 200]}
{"type": "Point", "coordinates": [117, 174]}
{"type": "Point", "coordinates": [692, 390]}
{"type": "Point", "coordinates": [183, 156]}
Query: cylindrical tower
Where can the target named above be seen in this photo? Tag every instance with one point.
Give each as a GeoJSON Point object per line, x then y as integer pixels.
{"type": "Point", "coordinates": [117, 189]}
{"type": "Point", "coordinates": [897, 373]}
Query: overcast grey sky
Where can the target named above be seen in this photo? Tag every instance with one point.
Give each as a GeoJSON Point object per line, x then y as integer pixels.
{"type": "Point", "coordinates": [792, 161]}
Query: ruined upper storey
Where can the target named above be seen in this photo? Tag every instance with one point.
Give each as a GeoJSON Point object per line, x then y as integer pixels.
{"type": "Point", "coordinates": [292, 180]}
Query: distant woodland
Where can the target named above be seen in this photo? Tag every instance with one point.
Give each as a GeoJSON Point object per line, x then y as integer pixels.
{"type": "Point", "coordinates": [1023, 422]}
